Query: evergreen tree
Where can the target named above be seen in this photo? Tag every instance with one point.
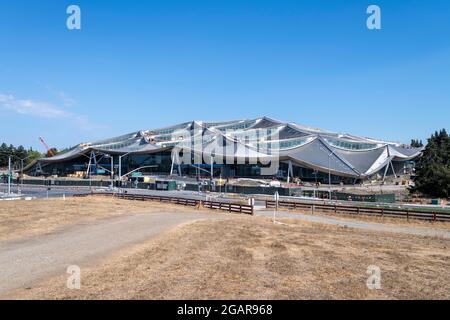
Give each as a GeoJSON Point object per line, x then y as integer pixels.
{"type": "Point", "coordinates": [433, 168]}
{"type": "Point", "coordinates": [17, 154]}
{"type": "Point", "coordinates": [416, 143]}
{"type": "Point", "coordinates": [3, 155]}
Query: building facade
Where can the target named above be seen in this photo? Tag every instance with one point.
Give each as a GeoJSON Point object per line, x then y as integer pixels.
{"type": "Point", "coordinates": [262, 148]}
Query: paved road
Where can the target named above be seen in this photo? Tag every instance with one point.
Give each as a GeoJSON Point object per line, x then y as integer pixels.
{"type": "Point", "coordinates": [26, 261]}
{"type": "Point", "coordinates": [372, 226]}
{"type": "Point", "coordinates": [37, 191]}
{"type": "Point", "coordinates": [42, 192]}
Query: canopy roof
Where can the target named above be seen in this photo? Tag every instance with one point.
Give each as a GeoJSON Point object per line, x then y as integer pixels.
{"type": "Point", "coordinates": [342, 154]}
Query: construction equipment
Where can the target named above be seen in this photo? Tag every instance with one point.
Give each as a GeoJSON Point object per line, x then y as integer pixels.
{"type": "Point", "coordinates": [50, 151]}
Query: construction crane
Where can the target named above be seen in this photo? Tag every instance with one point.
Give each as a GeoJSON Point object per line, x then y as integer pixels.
{"type": "Point", "coordinates": [50, 152]}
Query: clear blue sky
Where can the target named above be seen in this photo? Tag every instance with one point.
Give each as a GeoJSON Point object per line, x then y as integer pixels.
{"type": "Point", "coordinates": [144, 64]}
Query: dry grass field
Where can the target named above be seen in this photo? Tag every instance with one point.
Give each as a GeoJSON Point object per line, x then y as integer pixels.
{"type": "Point", "coordinates": [378, 219]}
{"type": "Point", "coordinates": [20, 219]}
{"type": "Point", "coordinates": [251, 258]}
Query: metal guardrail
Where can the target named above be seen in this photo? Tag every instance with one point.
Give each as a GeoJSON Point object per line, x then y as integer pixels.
{"type": "Point", "coordinates": [215, 205]}
{"type": "Point", "coordinates": [425, 215]}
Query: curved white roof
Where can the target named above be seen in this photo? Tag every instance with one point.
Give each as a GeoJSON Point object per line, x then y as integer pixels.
{"type": "Point", "coordinates": [343, 154]}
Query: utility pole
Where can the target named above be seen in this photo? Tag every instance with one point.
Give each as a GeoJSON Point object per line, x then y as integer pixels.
{"type": "Point", "coordinates": [212, 175]}
{"type": "Point", "coordinates": [9, 175]}
{"type": "Point", "coordinates": [212, 168]}
{"type": "Point", "coordinates": [329, 175]}
{"type": "Point", "coordinates": [120, 173]}
{"type": "Point", "coordinates": [112, 172]}
{"type": "Point", "coordinates": [120, 168]}
{"type": "Point", "coordinates": [21, 175]}
{"type": "Point", "coordinates": [276, 197]}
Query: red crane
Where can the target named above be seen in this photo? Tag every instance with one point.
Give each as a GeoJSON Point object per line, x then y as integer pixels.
{"type": "Point", "coordinates": [50, 152]}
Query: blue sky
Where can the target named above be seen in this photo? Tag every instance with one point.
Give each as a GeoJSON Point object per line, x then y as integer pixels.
{"type": "Point", "coordinates": [145, 64]}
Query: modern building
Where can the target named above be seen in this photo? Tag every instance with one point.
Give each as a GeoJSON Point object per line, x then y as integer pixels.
{"type": "Point", "coordinates": [244, 148]}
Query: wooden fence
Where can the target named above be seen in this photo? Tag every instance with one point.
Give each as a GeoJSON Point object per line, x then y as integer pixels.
{"type": "Point", "coordinates": [172, 200]}
{"type": "Point", "coordinates": [230, 207]}
{"type": "Point", "coordinates": [216, 205]}
{"type": "Point", "coordinates": [419, 214]}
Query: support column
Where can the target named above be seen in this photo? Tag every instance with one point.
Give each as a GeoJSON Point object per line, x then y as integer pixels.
{"type": "Point", "coordinates": [212, 168]}
{"type": "Point", "coordinates": [393, 169]}
{"type": "Point", "coordinates": [39, 168]}
{"type": "Point", "coordinates": [179, 166]}
{"type": "Point", "coordinates": [385, 171]}
{"type": "Point", "coordinates": [171, 166]}
{"type": "Point", "coordinates": [175, 159]}
{"type": "Point", "coordinates": [290, 172]}
{"type": "Point", "coordinates": [92, 157]}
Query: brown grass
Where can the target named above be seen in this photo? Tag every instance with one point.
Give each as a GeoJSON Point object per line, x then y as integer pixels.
{"type": "Point", "coordinates": [396, 221]}
{"type": "Point", "coordinates": [251, 258]}
{"type": "Point", "coordinates": [20, 219]}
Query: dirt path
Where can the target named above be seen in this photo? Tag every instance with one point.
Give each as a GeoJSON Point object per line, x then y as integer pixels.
{"type": "Point", "coordinates": [251, 258]}
{"type": "Point", "coordinates": [371, 226]}
{"type": "Point", "coordinates": [25, 261]}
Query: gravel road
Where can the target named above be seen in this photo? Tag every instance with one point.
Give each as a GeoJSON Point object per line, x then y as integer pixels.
{"type": "Point", "coordinates": [26, 261]}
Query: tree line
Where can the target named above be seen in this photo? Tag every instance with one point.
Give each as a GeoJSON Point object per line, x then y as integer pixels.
{"type": "Point", "coordinates": [17, 153]}
{"type": "Point", "coordinates": [416, 143]}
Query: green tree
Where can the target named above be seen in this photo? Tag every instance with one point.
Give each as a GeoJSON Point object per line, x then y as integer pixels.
{"type": "Point", "coordinates": [17, 154]}
{"type": "Point", "coordinates": [432, 176]}
{"type": "Point", "coordinates": [416, 143]}
{"type": "Point", "coordinates": [3, 155]}
{"type": "Point", "coordinates": [33, 155]}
